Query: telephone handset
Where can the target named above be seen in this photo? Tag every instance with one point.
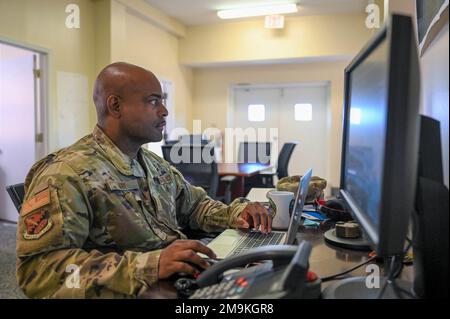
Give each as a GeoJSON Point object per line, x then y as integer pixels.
{"type": "Point", "coordinates": [284, 276]}
{"type": "Point", "coordinates": [279, 254]}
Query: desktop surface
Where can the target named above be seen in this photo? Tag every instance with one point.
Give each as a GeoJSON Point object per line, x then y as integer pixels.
{"type": "Point", "coordinates": [325, 260]}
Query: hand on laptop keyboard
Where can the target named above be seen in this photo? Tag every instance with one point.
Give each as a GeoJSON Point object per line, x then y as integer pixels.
{"type": "Point", "coordinates": [255, 216]}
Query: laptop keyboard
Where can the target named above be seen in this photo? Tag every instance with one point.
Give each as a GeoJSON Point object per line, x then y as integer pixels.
{"type": "Point", "coordinates": [256, 239]}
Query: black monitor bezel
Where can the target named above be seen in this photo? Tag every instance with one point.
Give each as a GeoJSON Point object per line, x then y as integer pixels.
{"type": "Point", "coordinates": [401, 140]}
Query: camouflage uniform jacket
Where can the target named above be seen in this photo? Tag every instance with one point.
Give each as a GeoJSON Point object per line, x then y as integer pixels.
{"type": "Point", "coordinates": [91, 207]}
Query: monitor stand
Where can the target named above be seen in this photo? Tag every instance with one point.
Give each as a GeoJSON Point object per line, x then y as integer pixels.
{"type": "Point", "coordinates": [356, 288]}
{"type": "Point", "coordinates": [360, 244]}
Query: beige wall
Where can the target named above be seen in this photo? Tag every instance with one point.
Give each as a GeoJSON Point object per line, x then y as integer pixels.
{"type": "Point", "coordinates": [230, 53]}
{"type": "Point", "coordinates": [136, 40]}
{"type": "Point", "coordinates": [211, 96]}
{"type": "Point", "coordinates": [247, 41]}
{"type": "Point", "coordinates": [42, 24]}
{"type": "Point", "coordinates": [109, 32]}
{"type": "Point", "coordinates": [102, 34]}
{"type": "Point", "coordinates": [401, 6]}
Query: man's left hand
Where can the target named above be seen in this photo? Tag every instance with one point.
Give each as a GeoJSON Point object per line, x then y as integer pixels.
{"type": "Point", "coordinates": [255, 215]}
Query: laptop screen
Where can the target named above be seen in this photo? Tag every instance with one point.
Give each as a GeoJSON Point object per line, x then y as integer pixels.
{"type": "Point", "coordinates": [300, 199]}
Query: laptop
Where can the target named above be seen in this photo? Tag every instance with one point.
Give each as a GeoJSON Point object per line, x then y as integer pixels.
{"type": "Point", "coordinates": [233, 241]}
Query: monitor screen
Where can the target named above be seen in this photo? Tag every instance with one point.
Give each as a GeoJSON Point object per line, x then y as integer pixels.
{"type": "Point", "coordinates": [366, 135]}
{"type": "Point", "coordinates": [380, 141]}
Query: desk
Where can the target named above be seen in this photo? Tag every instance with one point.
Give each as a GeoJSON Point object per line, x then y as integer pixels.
{"type": "Point", "coordinates": [325, 260]}
{"type": "Point", "coordinates": [241, 171]}
{"type": "Point", "coordinates": [259, 194]}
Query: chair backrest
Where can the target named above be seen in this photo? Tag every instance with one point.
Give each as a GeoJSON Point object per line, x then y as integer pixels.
{"type": "Point", "coordinates": [171, 142]}
{"type": "Point", "coordinates": [193, 139]}
{"type": "Point", "coordinates": [254, 152]}
{"type": "Point", "coordinates": [284, 158]}
{"type": "Point", "coordinates": [17, 194]}
{"type": "Point", "coordinates": [196, 163]}
{"type": "Point", "coordinates": [166, 152]}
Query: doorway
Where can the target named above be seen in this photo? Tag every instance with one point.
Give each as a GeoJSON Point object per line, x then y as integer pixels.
{"type": "Point", "coordinates": [22, 118]}
{"type": "Point", "coordinates": [298, 112]}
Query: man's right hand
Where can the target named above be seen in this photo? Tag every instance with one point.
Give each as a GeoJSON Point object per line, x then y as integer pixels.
{"type": "Point", "coordinates": [175, 258]}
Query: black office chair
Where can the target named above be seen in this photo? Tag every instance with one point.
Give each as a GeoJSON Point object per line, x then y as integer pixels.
{"type": "Point", "coordinates": [254, 152]}
{"type": "Point", "coordinates": [17, 194]}
{"type": "Point", "coordinates": [193, 139]}
{"type": "Point", "coordinates": [266, 180]}
{"type": "Point", "coordinates": [171, 142]}
{"type": "Point", "coordinates": [283, 159]}
{"type": "Point", "coordinates": [199, 168]}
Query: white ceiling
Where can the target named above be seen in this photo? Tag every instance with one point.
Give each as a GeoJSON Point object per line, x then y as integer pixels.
{"type": "Point", "coordinates": [196, 12]}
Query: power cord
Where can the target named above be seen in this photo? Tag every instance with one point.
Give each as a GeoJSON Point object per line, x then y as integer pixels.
{"type": "Point", "coordinates": [336, 276]}
{"type": "Point", "coordinates": [395, 274]}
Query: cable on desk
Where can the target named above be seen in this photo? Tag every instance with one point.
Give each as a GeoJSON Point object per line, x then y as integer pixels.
{"type": "Point", "coordinates": [335, 277]}
{"type": "Point", "coordinates": [394, 273]}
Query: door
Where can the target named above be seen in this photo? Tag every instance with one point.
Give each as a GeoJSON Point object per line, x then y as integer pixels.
{"type": "Point", "coordinates": [17, 121]}
{"type": "Point", "coordinates": [303, 118]}
{"type": "Point", "coordinates": [255, 118]}
{"type": "Point", "coordinates": [299, 113]}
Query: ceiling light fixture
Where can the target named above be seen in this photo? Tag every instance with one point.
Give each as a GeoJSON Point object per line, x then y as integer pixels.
{"type": "Point", "coordinates": [257, 11]}
{"type": "Point", "coordinates": [274, 21]}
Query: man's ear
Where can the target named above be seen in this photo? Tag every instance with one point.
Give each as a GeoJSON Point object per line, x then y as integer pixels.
{"type": "Point", "coordinates": [113, 105]}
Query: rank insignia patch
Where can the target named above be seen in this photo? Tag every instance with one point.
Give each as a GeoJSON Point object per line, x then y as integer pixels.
{"type": "Point", "coordinates": [37, 224]}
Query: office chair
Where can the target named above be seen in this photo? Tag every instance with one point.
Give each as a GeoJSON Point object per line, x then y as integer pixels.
{"type": "Point", "coordinates": [171, 142]}
{"type": "Point", "coordinates": [193, 140]}
{"type": "Point", "coordinates": [266, 180]}
{"type": "Point", "coordinates": [17, 194]}
{"type": "Point", "coordinates": [283, 159]}
{"type": "Point", "coordinates": [254, 152]}
{"type": "Point", "coordinates": [199, 168]}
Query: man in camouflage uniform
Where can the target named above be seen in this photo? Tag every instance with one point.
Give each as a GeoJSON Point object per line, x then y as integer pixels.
{"type": "Point", "coordinates": [113, 211]}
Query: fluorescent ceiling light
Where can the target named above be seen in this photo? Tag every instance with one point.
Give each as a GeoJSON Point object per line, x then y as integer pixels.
{"type": "Point", "coordinates": [257, 11]}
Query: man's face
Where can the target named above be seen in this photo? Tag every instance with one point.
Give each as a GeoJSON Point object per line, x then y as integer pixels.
{"type": "Point", "coordinates": [143, 110]}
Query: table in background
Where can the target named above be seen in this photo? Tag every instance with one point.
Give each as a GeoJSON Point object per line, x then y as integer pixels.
{"type": "Point", "coordinates": [241, 171]}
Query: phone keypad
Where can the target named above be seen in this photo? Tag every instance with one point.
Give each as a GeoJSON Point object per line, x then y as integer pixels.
{"type": "Point", "coordinates": [227, 289]}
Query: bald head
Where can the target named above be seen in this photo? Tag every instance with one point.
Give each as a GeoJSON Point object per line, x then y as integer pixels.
{"type": "Point", "coordinates": [117, 79]}
{"type": "Point", "coordinates": [129, 103]}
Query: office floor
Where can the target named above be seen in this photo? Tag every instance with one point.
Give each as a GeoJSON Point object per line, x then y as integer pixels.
{"type": "Point", "coordinates": [8, 285]}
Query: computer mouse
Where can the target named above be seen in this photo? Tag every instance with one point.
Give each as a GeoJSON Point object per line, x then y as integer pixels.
{"type": "Point", "coordinates": [185, 287]}
{"type": "Point", "coordinates": [197, 268]}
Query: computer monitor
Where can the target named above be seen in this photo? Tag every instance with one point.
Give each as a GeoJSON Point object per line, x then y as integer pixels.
{"type": "Point", "coordinates": [381, 135]}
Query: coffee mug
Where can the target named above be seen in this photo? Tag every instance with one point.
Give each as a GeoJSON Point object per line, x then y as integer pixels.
{"type": "Point", "coordinates": [280, 203]}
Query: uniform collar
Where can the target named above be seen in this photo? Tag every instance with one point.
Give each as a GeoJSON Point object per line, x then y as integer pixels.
{"type": "Point", "coordinates": [125, 164]}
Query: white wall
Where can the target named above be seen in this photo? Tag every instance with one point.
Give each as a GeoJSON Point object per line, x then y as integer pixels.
{"type": "Point", "coordinates": [434, 77]}
{"type": "Point", "coordinates": [434, 69]}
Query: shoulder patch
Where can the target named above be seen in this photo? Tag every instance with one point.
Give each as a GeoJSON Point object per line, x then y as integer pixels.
{"type": "Point", "coordinates": [37, 224]}
{"type": "Point", "coordinates": [37, 201]}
